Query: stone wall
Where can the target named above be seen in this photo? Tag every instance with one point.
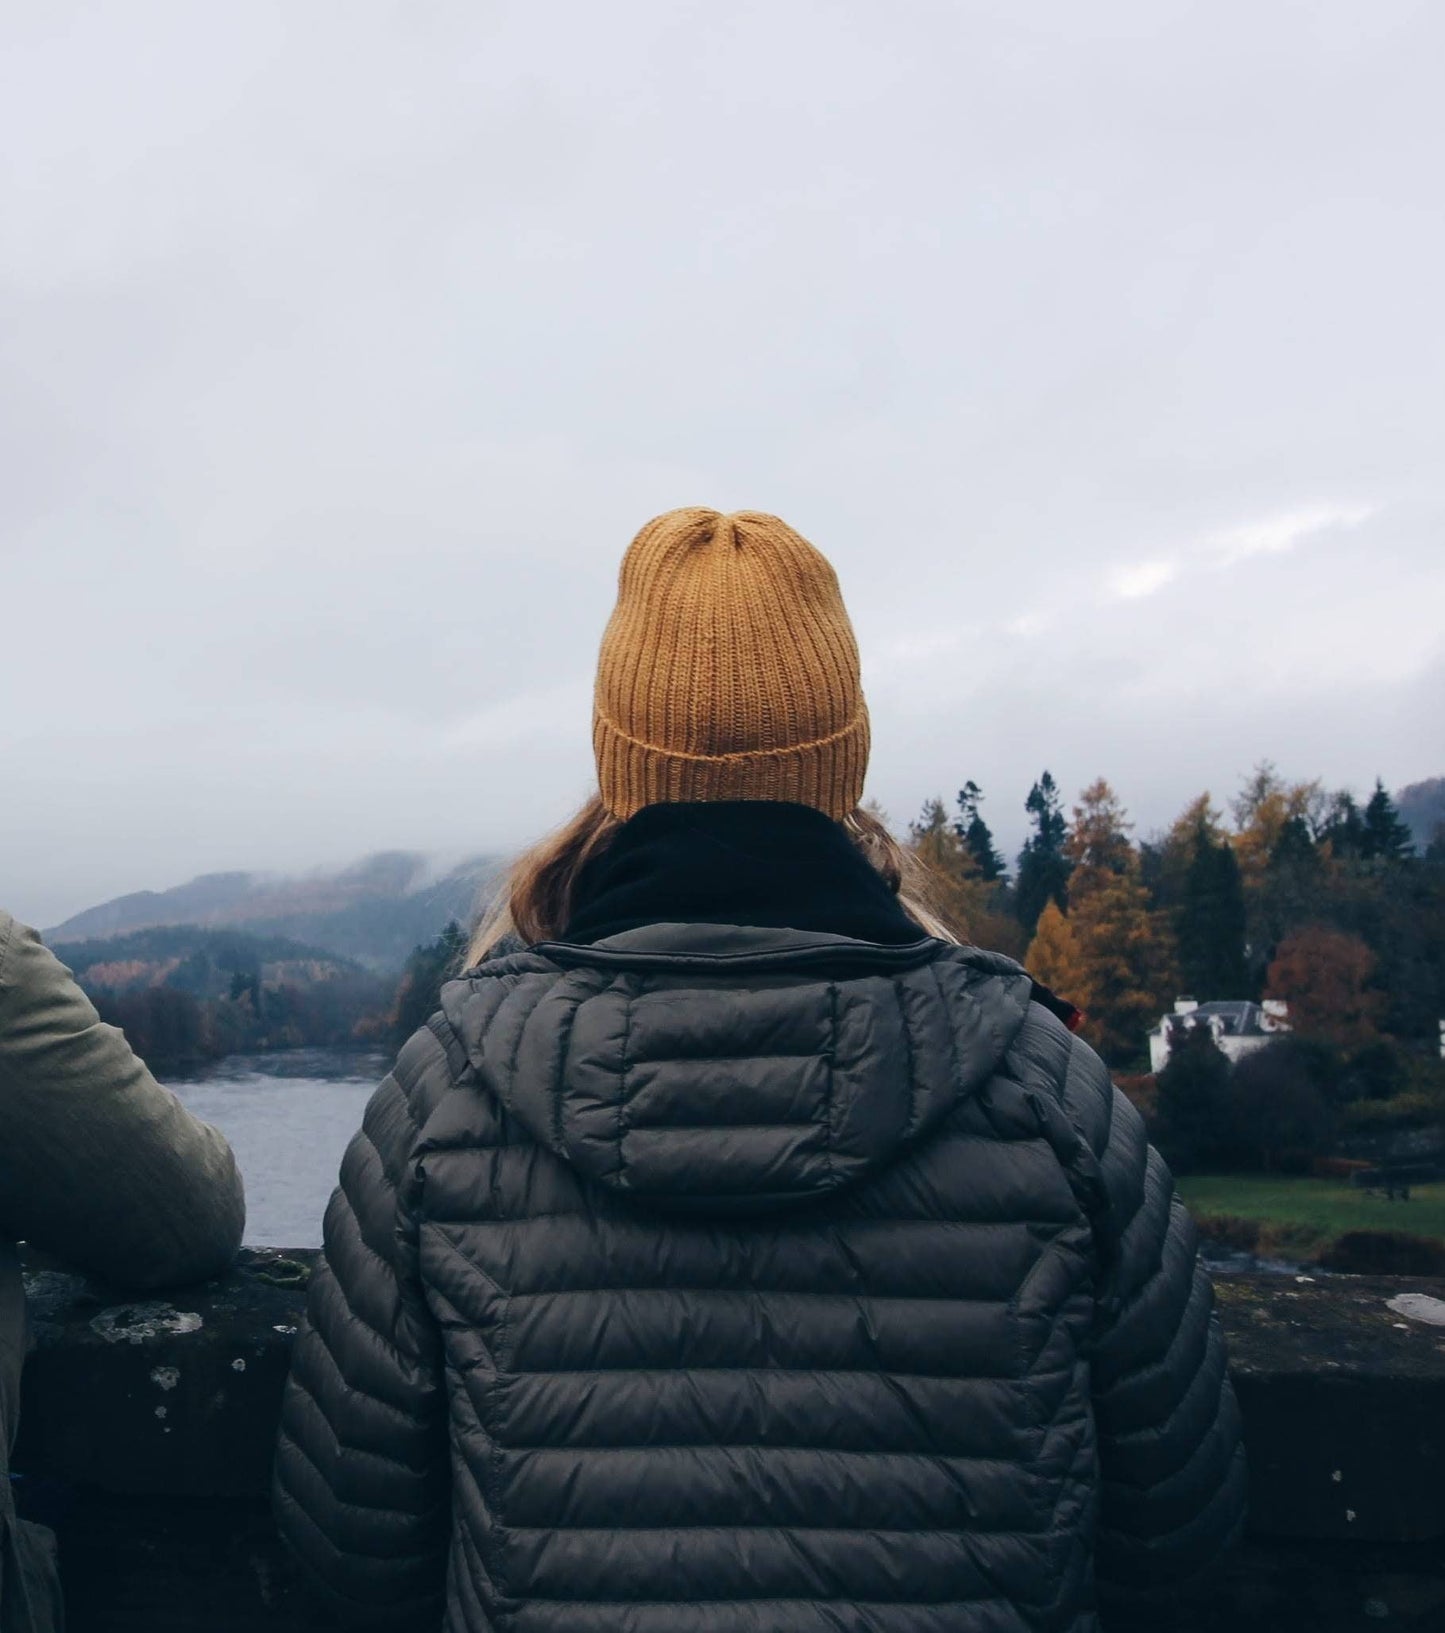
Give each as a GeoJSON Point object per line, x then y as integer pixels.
{"type": "Point", "coordinates": [147, 1430]}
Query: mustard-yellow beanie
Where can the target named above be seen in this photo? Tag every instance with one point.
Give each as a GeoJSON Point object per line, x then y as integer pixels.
{"type": "Point", "coordinates": [729, 671]}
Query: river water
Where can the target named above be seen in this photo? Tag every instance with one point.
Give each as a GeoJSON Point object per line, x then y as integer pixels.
{"type": "Point", "coordinates": [288, 1115]}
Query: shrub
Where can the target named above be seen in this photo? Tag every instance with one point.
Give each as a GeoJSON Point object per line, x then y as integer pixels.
{"type": "Point", "coordinates": [1193, 1126]}
{"type": "Point", "coordinates": [1414, 1109]}
{"type": "Point", "coordinates": [1385, 1253]}
{"type": "Point", "coordinates": [1425, 1074]}
{"type": "Point", "coordinates": [1376, 1072]}
{"type": "Point", "coordinates": [1313, 1058]}
{"type": "Point", "coordinates": [1281, 1114]}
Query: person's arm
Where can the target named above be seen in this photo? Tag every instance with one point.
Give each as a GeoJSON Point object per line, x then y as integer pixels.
{"type": "Point", "coordinates": [361, 1490]}
{"type": "Point", "coordinates": [1170, 1456]}
{"type": "Point", "coordinates": [99, 1164]}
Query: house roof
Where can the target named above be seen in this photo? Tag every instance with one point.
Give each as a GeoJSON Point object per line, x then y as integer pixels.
{"type": "Point", "coordinates": [1237, 1016]}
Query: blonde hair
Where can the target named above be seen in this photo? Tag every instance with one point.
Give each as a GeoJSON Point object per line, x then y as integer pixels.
{"type": "Point", "coordinates": [536, 898]}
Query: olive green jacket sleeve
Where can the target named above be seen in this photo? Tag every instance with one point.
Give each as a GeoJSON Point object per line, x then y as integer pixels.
{"type": "Point", "coordinates": [99, 1164]}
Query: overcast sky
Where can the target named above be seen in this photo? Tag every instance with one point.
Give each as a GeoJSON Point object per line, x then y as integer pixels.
{"type": "Point", "coordinates": [344, 346]}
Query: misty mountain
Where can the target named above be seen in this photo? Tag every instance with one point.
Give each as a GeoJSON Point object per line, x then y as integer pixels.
{"type": "Point", "coordinates": [1422, 805]}
{"type": "Point", "coordinates": [374, 911]}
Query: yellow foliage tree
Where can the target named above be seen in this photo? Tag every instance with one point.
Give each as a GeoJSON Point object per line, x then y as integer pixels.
{"type": "Point", "coordinates": [1263, 808]}
{"type": "Point", "coordinates": [1128, 961]}
{"type": "Point", "coordinates": [953, 889]}
{"type": "Point", "coordinates": [1054, 958]}
{"type": "Point", "coordinates": [956, 890]}
{"type": "Point", "coordinates": [1098, 844]}
{"type": "Point", "coordinates": [1126, 950]}
{"type": "Point", "coordinates": [1199, 820]}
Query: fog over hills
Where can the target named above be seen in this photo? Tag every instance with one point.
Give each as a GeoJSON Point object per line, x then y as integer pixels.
{"type": "Point", "coordinates": [1422, 805]}
{"type": "Point", "coordinates": [374, 911]}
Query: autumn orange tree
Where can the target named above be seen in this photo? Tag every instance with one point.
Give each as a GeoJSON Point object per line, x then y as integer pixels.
{"type": "Point", "coordinates": [957, 890]}
{"type": "Point", "coordinates": [1265, 808]}
{"type": "Point", "coordinates": [1324, 977]}
{"type": "Point", "coordinates": [1125, 948]}
{"type": "Point", "coordinates": [1055, 960]}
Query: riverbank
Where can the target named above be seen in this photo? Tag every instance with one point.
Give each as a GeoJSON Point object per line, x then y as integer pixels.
{"type": "Point", "coordinates": [1320, 1221]}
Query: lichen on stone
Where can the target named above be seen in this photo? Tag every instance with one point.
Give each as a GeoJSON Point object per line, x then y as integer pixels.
{"type": "Point", "coordinates": [135, 1323]}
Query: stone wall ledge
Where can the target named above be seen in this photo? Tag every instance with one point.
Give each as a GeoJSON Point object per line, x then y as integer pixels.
{"type": "Point", "coordinates": [148, 1424]}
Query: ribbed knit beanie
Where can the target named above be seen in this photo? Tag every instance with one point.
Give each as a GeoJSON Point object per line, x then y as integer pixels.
{"type": "Point", "coordinates": [729, 671]}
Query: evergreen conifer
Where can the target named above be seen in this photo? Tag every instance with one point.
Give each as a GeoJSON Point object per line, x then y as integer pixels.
{"type": "Point", "coordinates": [1211, 923]}
{"type": "Point", "coordinates": [1044, 866]}
{"type": "Point", "coordinates": [1386, 837]}
{"type": "Point", "coordinates": [976, 835]}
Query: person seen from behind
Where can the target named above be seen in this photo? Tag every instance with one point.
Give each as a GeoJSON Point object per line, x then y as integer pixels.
{"type": "Point", "coordinates": [102, 1168]}
{"type": "Point", "coordinates": [734, 1252]}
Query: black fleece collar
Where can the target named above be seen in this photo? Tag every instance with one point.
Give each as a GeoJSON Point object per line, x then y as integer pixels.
{"type": "Point", "coordinates": [751, 862]}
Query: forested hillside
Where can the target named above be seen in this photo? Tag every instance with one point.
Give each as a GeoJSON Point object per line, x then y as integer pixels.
{"type": "Point", "coordinates": [185, 995]}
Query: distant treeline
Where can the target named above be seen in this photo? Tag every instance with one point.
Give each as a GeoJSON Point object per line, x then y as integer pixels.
{"type": "Point", "coordinates": [1301, 894]}
{"type": "Point", "coordinates": [185, 996]}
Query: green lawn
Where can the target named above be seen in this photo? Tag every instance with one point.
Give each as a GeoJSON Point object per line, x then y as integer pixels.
{"type": "Point", "coordinates": [1301, 1214]}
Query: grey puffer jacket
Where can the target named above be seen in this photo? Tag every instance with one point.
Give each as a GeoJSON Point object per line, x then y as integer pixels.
{"type": "Point", "coordinates": [712, 1280]}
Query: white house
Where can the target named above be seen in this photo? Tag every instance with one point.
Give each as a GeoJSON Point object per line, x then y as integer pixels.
{"type": "Point", "coordinates": [1239, 1027]}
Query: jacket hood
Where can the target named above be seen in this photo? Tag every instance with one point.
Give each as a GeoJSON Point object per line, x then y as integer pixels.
{"type": "Point", "coordinates": [729, 1069]}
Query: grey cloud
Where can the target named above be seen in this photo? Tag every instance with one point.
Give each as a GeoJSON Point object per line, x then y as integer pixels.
{"type": "Point", "coordinates": [343, 347]}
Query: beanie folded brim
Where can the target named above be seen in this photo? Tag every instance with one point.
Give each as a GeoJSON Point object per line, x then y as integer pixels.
{"type": "Point", "coordinates": [827, 773]}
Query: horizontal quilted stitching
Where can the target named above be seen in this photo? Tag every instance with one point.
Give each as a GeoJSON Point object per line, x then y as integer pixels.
{"type": "Point", "coordinates": [770, 1302]}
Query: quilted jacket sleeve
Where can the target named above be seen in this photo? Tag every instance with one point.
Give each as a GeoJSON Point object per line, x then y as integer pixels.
{"type": "Point", "coordinates": [1170, 1455]}
{"type": "Point", "coordinates": [99, 1164]}
{"type": "Point", "coordinates": [361, 1486]}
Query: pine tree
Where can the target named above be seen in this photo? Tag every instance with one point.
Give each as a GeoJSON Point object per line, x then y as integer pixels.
{"type": "Point", "coordinates": [956, 891]}
{"type": "Point", "coordinates": [1210, 923]}
{"type": "Point", "coordinates": [1344, 828]}
{"type": "Point", "coordinates": [1168, 862]}
{"type": "Point", "coordinates": [976, 835]}
{"type": "Point", "coordinates": [1054, 958]}
{"type": "Point", "coordinates": [1043, 874]}
{"type": "Point", "coordinates": [1386, 837]}
{"type": "Point", "coordinates": [427, 967]}
{"type": "Point", "coordinates": [1294, 848]}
